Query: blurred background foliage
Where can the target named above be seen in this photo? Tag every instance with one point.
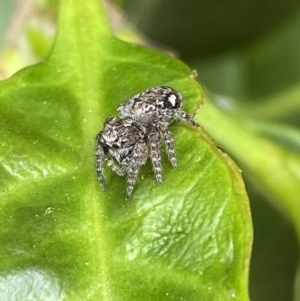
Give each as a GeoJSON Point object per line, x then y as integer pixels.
{"type": "Point", "coordinates": [246, 51]}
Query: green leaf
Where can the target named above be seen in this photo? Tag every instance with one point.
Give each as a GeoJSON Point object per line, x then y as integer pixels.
{"type": "Point", "coordinates": [62, 237]}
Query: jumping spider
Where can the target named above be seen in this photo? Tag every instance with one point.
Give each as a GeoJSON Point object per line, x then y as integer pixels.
{"type": "Point", "coordinates": [126, 143]}
{"type": "Point", "coordinates": [158, 106]}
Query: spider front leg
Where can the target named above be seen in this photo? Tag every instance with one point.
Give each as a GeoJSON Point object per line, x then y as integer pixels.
{"type": "Point", "coordinates": [131, 178]}
{"type": "Point", "coordinates": [154, 146]}
{"type": "Point", "coordinates": [134, 162]}
{"type": "Point", "coordinates": [99, 162]}
{"type": "Point", "coordinates": [114, 166]}
{"type": "Point", "coordinates": [169, 141]}
{"type": "Point", "coordinates": [183, 116]}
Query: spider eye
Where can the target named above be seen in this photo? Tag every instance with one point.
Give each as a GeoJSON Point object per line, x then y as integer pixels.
{"type": "Point", "coordinates": [173, 101]}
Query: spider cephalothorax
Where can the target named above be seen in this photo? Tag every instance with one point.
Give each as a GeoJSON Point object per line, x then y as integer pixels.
{"type": "Point", "coordinates": [158, 106]}
{"type": "Point", "coordinates": [126, 143]}
{"type": "Point", "coordinates": [161, 103]}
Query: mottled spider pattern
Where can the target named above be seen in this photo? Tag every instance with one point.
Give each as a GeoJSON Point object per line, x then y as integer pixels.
{"type": "Point", "coordinates": [124, 146]}
{"type": "Point", "coordinates": [159, 106]}
{"type": "Point", "coordinates": [126, 143]}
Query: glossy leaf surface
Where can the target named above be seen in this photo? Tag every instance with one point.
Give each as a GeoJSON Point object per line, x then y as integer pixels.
{"type": "Point", "coordinates": [63, 238]}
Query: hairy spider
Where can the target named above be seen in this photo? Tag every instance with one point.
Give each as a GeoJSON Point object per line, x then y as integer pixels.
{"type": "Point", "coordinates": [125, 146]}
{"type": "Point", "coordinates": [126, 143]}
{"type": "Point", "coordinates": [158, 106]}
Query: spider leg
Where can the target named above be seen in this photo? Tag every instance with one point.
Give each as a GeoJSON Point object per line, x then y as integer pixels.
{"type": "Point", "coordinates": [99, 163]}
{"type": "Point", "coordinates": [169, 141]}
{"type": "Point", "coordinates": [131, 178]}
{"type": "Point", "coordinates": [154, 144]}
{"type": "Point", "coordinates": [139, 158]}
{"type": "Point", "coordinates": [183, 116]}
{"type": "Point", "coordinates": [114, 166]}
